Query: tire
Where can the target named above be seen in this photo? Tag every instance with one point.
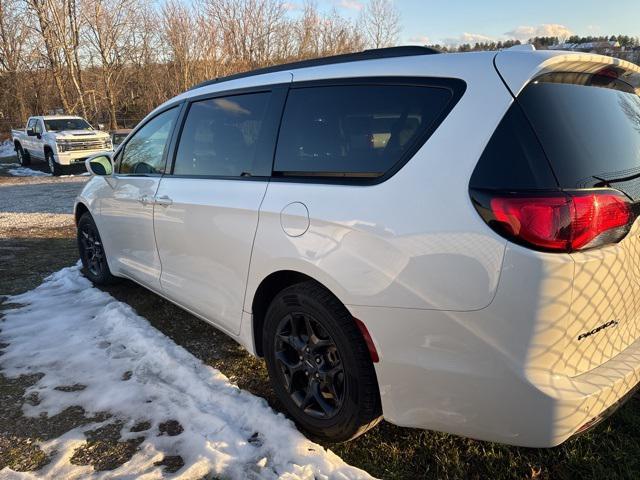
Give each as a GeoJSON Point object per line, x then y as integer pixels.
{"type": "Point", "coordinates": [54, 167]}
{"type": "Point", "coordinates": [23, 156]}
{"type": "Point", "coordinates": [92, 255]}
{"type": "Point", "coordinates": [325, 380]}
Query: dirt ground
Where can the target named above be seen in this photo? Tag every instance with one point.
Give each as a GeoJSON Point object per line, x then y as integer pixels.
{"type": "Point", "coordinates": [33, 247]}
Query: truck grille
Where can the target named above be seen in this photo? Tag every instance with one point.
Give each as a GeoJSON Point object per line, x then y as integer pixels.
{"type": "Point", "coordinates": [75, 145]}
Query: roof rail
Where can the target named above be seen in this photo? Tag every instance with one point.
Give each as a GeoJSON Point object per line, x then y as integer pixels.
{"type": "Point", "coordinates": [372, 54]}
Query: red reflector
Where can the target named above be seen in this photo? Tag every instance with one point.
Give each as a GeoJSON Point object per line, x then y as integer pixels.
{"type": "Point", "coordinates": [563, 222]}
{"type": "Point", "coordinates": [368, 340]}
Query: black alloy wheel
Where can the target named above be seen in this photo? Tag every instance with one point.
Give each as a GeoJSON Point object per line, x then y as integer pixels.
{"type": "Point", "coordinates": [310, 365]}
{"type": "Point", "coordinates": [319, 364]}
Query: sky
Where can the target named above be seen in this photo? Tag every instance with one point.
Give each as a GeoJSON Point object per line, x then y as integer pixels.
{"type": "Point", "coordinates": [457, 21]}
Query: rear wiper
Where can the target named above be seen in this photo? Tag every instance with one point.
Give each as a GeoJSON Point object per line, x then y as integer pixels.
{"type": "Point", "coordinates": [607, 183]}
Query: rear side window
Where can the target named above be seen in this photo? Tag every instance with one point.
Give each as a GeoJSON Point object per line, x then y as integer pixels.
{"type": "Point", "coordinates": [355, 130]}
{"type": "Point", "coordinates": [221, 136]}
{"type": "Point", "coordinates": [513, 159]}
{"type": "Point", "coordinates": [589, 127]}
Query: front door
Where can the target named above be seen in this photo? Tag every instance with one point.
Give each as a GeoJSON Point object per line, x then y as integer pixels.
{"type": "Point", "coordinates": [128, 212]}
{"type": "Point", "coordinates": [206, 211]}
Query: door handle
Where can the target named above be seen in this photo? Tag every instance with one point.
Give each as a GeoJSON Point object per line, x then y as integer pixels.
{"type": "Point", "coordinates": [163, 201]}
{"type": "Point", "coordinates": [144, 199]}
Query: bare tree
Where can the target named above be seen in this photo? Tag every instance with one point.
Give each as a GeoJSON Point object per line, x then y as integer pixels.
{"type": "Point", "coordinates": [117, 59]}
{"type": "Point", "coordinates": [14, 39]}
{"type": "Point", "coordinates": [59, 27]}
{"type": "Point", "coordinates": [109, 35]}
{"type": "Point", "coordinates": [380, 21]}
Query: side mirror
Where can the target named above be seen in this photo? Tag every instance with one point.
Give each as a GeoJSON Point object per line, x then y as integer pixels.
{"type": "Point", "coordinates": [100, 164]}
{"type": "Point", "coordinates": [31, 132]}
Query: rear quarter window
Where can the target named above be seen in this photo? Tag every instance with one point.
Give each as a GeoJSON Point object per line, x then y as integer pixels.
{"type": "Point", "coordinates": [357, 131]}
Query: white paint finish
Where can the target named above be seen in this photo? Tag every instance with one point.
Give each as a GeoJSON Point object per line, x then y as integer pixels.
{"type": "Point", "coordinates": [605, 289]}
{"type": "Point", "coordinates": [414, 240]}
{"type": "Point", "coordinates": [204, 240]}
{"type": "Point", "coordinates": [518, 68]}
{"type": "Point", "coordinates": [126, 227]}
{"type": "Point", "coordinates": [472, 331]}
{"type": "Point", "coordinates": [437, 373]}
{"type": "Point", "coordinates": [294, 219]}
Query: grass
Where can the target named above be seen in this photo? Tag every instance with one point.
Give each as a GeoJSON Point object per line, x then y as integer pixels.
{"type": "Point", "coordinates": [610, 451]}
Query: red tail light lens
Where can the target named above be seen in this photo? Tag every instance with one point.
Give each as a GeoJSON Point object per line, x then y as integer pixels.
{"type": "Point", "coordinates": [559, 222]}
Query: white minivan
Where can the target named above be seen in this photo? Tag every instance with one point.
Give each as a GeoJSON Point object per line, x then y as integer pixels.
{"type": "Point", "coordinates": [446, 240]}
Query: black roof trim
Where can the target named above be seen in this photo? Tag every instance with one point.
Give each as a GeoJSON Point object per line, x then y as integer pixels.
{"type": "Point", "coordinates": [373, 54]}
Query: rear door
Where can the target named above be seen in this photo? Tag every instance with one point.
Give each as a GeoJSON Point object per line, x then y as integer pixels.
{"type": "Point", "coordinates": [206, 210]}
{"type": "Point", "coordinates": [588, 123]}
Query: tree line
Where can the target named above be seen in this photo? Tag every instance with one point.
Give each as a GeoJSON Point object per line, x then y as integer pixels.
{"type": "Point", "coordinates": [112, 61]}
{"type": "Point", "coordinates": [540, 43]}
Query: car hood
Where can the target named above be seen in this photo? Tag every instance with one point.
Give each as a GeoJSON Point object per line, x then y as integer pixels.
{"type": "Point", "coordinates": [79, 134]}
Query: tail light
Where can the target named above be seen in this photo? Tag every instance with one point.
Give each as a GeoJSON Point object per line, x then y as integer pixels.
{"type": "Point", "coordinates": [558, 221]}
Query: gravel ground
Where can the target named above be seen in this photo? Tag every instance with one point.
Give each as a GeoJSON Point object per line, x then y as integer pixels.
{"type": "Point", "coordinates": [28, 204]}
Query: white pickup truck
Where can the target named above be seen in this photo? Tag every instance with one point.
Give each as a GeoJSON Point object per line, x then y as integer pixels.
{"type": "Point", "coordinates": [59, 140]}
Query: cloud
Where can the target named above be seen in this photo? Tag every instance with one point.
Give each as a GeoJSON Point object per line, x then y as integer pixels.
{"type": "Point", "coordinates": [525, 32]}
{"type": "Point", "coordinates": [471, 38]}
{"type": "Point", "coordinates": [292, 7]}
{"type": "Point", "coordinates": [420, 40]}
{"type": "Point", "coordinates": [351, 4]}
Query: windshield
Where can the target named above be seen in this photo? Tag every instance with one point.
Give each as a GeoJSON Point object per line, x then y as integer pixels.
{"type": "Point", "coordinates": [59, 124]}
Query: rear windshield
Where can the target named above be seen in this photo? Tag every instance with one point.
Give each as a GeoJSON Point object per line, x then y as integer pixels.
{"type": "Point", "coordinates": [589, 128]}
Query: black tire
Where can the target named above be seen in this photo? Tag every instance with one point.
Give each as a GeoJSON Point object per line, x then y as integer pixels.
{"type": "Point", "coordinates": [92, 252]}
{"type": "Point", "coordinates": [23, 156]}
{"type": "Point", "coordinates": [54, 167]}
{"type": "Point", "coordinates": [339, 406]}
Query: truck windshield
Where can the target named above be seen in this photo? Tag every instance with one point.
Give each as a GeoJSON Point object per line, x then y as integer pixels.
{"type": "Point", "coordinates": [59, 124]}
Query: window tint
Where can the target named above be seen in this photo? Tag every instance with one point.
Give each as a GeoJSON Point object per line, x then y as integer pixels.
{"type": "Point", "coordinates": [143, 153]}
{"type": "Point", "coordinates": [31, 123]}
{"type": "Point", "coordinates": [589, 130]}
{"type": "Point", "coordinates": [37, 127]}
{"type": "Point", "coordinates": [221, 135]}
{"type": "Point", "coordinates": [513, 158]}
{"type": "Point", "coordinates": [354, 131]}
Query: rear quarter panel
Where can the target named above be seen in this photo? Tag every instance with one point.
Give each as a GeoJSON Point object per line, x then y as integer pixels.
{"type": "Point", "coordinates": [414, 240]}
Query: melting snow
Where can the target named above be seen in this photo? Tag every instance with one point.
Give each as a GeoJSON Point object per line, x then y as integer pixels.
{"type": "Point", "coordinates": [6, 149]}
{"type": "Point", "coordinates": [77, 334]}
{"type": "Point", "coordinates": [27, 172]}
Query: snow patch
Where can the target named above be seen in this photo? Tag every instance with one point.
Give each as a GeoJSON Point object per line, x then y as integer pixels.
{"type": "Point", "coordinates": [27, 172]}
{"type": "Point", "coordinates": [6, 149]}
{"type": "Point", "coordinates": [77, 334]}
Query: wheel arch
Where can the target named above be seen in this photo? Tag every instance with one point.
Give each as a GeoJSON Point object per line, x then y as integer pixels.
{"type": "Point", "coordinates": [80, 209]}
{"type": "Point", "coordinates": [268, 288]}
{"type": "Point", "coordinates": [274, 283]}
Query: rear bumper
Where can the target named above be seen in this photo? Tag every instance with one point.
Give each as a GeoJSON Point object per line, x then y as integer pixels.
{"type": "Point", "coordinates": [436, 372]}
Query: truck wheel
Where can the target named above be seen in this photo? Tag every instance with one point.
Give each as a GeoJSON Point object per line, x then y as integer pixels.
{"type": "Point", "coordinates": [54, 167]}
{"type": "Point", "coordinates": [23, 156]}
{"type": "Point", "coordinates": [319, 365]}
